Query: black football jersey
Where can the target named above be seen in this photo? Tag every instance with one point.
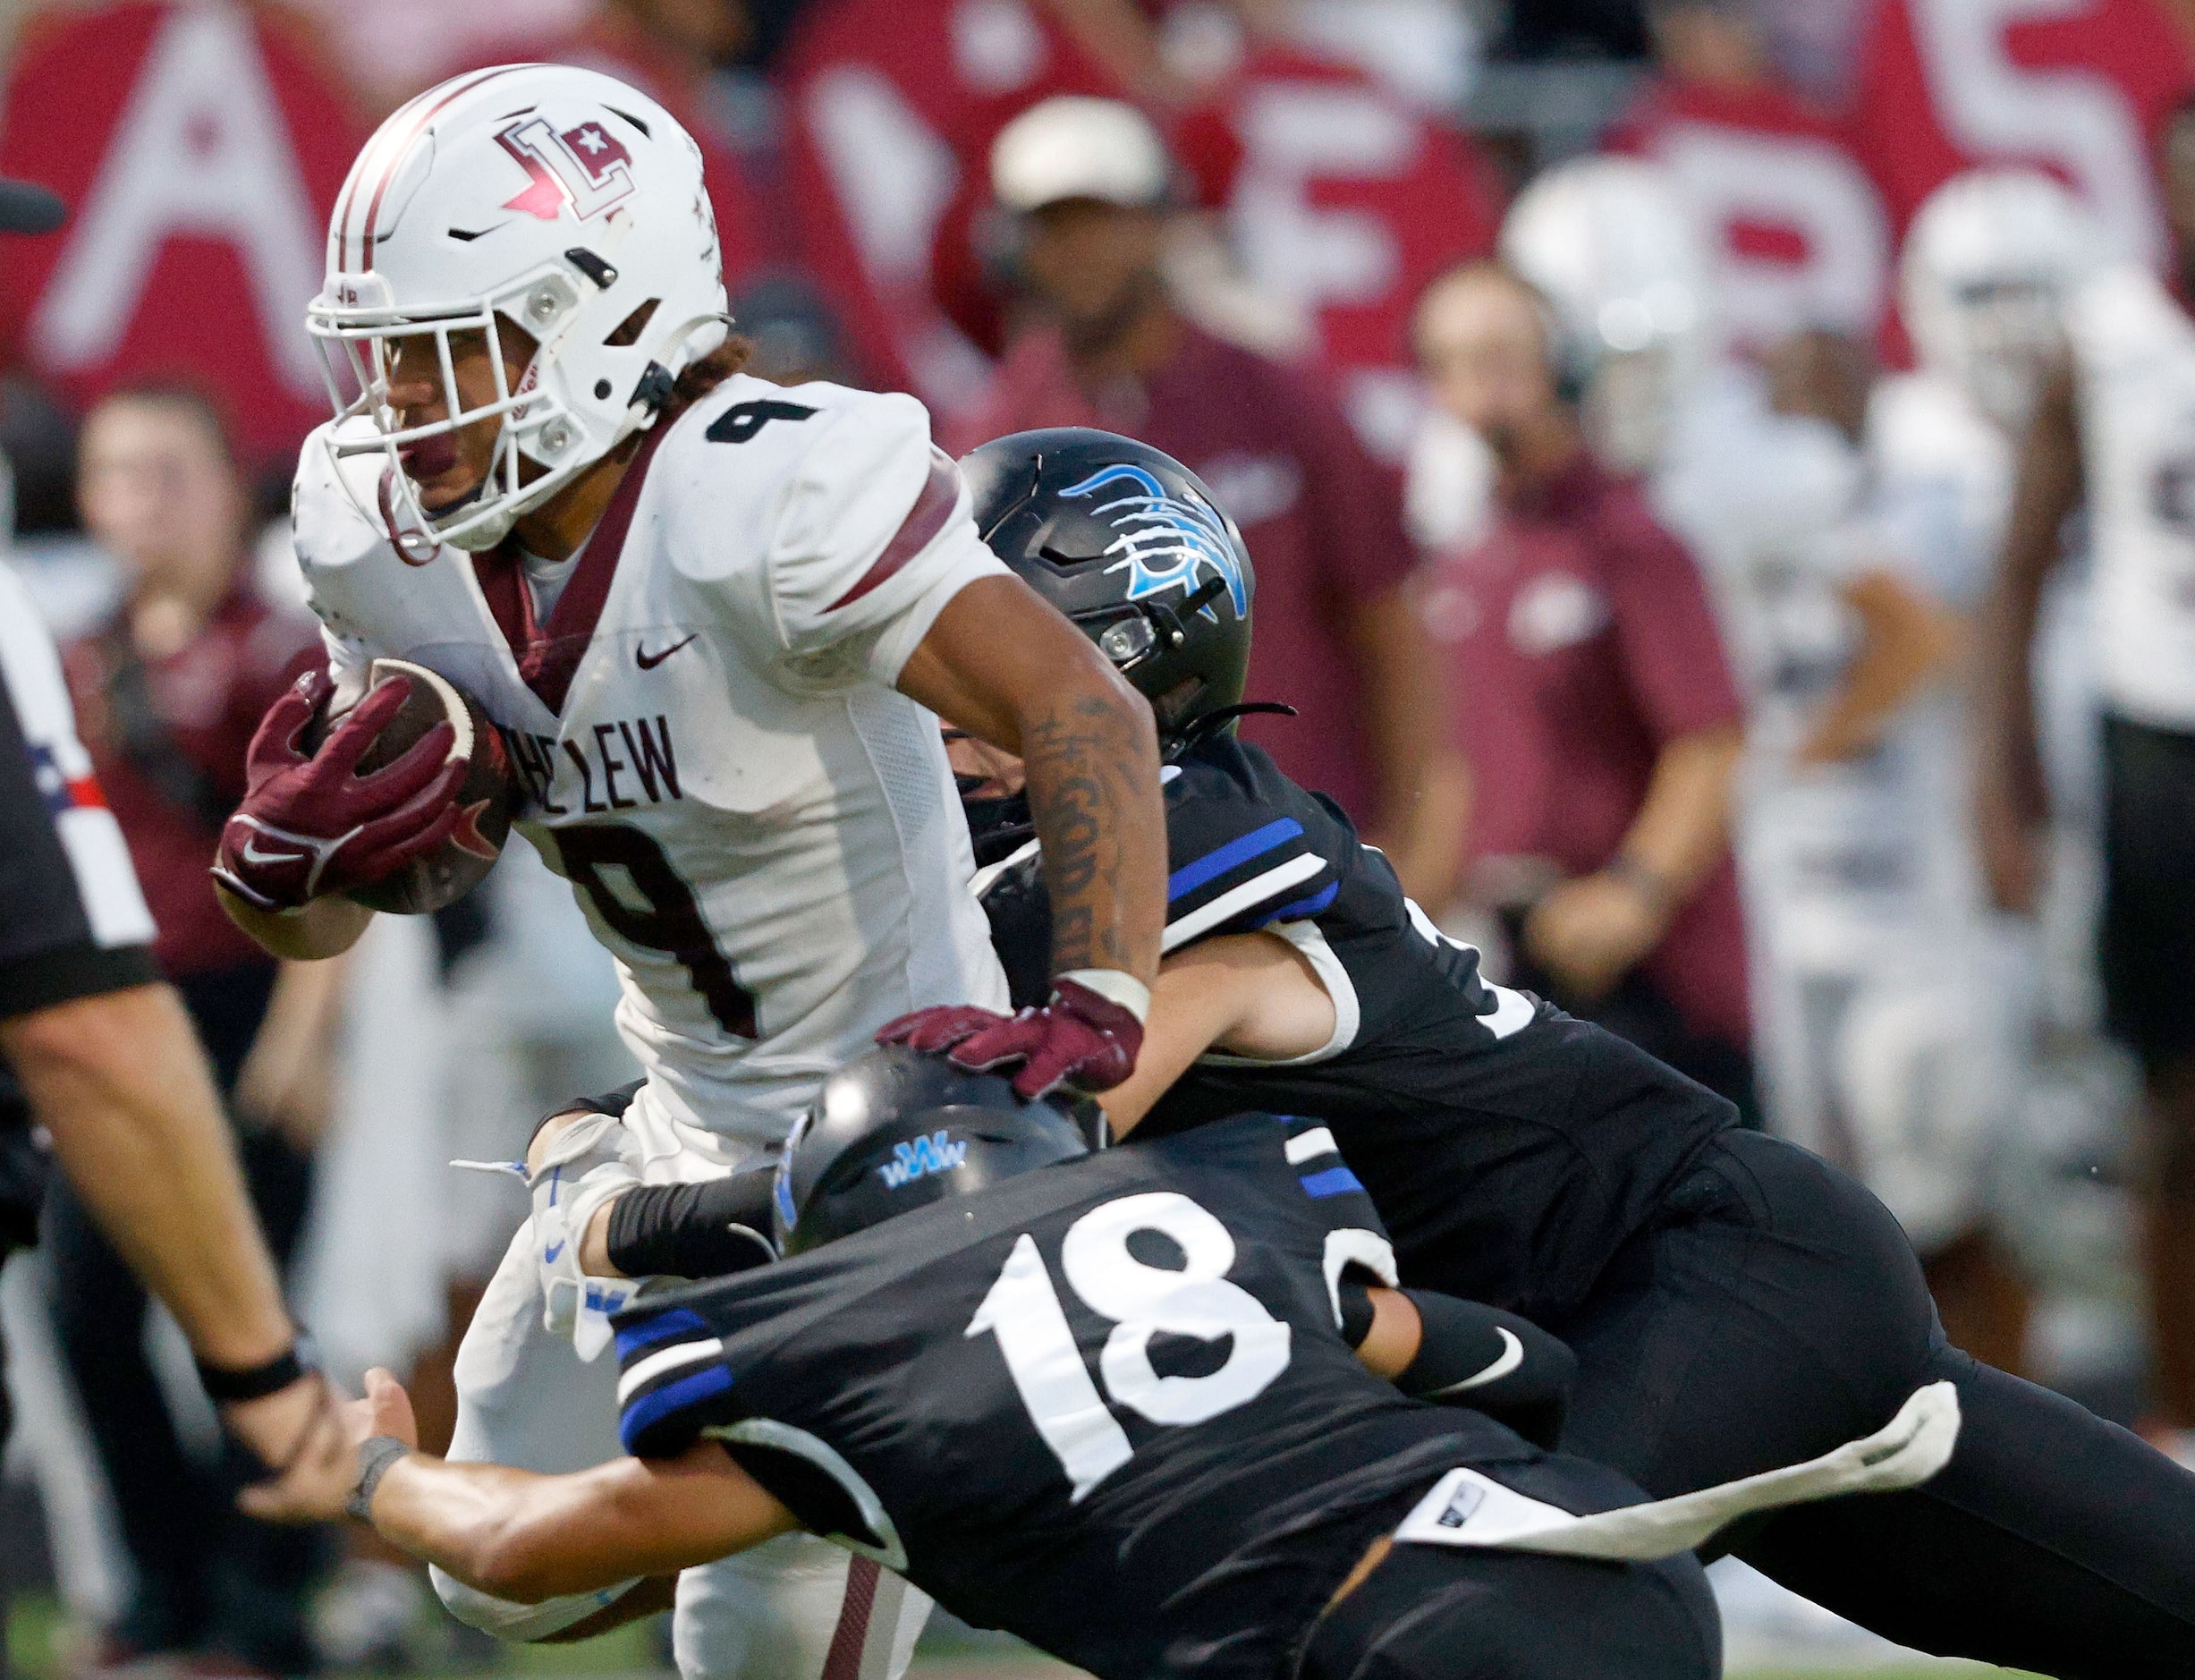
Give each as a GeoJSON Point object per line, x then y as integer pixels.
{"type": "Point", "coordinates": [1106, 1406]}
{"type": "Point", "coordinates": [1510, 1149]}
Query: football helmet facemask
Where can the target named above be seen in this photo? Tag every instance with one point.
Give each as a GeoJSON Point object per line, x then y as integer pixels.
{"type": "Point", "coordinates": [553, 199]}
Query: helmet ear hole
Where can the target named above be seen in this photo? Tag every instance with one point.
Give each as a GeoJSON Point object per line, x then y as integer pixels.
{"type": "Point", "coordinates": [628, 331]}
{"type": "Point", "coordinates": [1174, 708]}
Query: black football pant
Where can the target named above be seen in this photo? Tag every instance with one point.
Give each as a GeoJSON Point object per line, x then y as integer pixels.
{"type": "Point", "coordinates": [1775, 1312]}
{"type": "Point", "coordinates": [1442, 1613]}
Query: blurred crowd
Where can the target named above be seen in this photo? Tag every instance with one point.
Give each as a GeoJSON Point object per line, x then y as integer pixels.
{"type": "Point", "coordinates": [1638, 415]}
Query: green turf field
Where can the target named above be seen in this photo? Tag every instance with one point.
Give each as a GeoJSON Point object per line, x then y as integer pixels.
{"type": "Point", "coordinates": [631, 1654]}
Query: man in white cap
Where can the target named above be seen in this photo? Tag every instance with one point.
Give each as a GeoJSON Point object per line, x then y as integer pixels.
{"type": "Point", "coordinates": [1088, 191]}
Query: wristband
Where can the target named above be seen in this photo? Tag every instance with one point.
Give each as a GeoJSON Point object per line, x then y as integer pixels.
{"type": "Point", "coordinates": [1660, 898]}
{"type": "Point", "coordinates": [374, 1459]}
{"type": "Point", "coordinates": [709, 1229]}
{"type": "Point", "coordinates": [1115, 986]}
{"type": "Point", "coordinates": [1358, 1313]}
{"type": "Point", "coordinates": [256, 1382]}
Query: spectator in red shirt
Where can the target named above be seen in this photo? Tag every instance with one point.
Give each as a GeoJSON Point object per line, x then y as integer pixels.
{"type": "Point", "coordinates": [1098, 340]}
{"type": "Point", "coordinates": [167, 693]}
{"type": "Point", "coordinates": [1600, 717]}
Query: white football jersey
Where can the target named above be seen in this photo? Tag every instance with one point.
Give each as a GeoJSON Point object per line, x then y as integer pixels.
{"type": "Point", "coordinates": [1875, 1036]}
{"type": "Point", "coordinates": [1761, 499]}
{"type": "Point", "coordinates": [2134, 353]}
{"type": "Point", "coordinates": [759, 828]}
{"type": "Point", "coordinates": [1943, 482]}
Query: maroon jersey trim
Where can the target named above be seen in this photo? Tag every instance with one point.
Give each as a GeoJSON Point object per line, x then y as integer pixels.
{"type": "Point", "coordinates": [548, 655]}
{"type": "Point", "coordinates": [941, 494]}
{"type": "Point", "coordinates": [850, 1638]}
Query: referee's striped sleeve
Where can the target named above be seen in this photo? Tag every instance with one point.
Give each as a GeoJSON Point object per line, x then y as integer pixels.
{"type": "Point", "coordinates": [72, 921]}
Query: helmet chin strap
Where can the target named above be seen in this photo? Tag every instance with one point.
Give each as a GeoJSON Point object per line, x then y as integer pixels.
{"type": "Point", "coordinates": [489, 532]}
{"type": "Point", "coordinates": [1204, 724]}
{"type": "Point", "coordinates": [480, 537]}
{"type": "Point", "coordinates": [497, 526]}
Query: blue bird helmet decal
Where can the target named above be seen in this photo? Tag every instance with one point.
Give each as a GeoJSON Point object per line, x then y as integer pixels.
{"type": "Point", "coordinates": [1163, 541]}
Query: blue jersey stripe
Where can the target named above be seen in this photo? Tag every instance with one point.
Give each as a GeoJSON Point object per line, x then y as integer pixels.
{"type": "Point", "coordinates": [1304, 907]}
{"type": "Point", "coordinates": [1336, 1181]}
{"type": "Point", "coordinates": [1213, 864]}
{"type": "Point", "coordinates": [650, 1409]}
{"type": "Point", "coordinates": [662, 1327]}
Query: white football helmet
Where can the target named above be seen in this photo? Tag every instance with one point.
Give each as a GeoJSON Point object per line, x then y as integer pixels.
{"type": "Point", "coordinates": [1611, 243]}
{"type": "Point", "coordinates": [1983, 278]}
{"type": "Point", "coordinates": [556, 200]}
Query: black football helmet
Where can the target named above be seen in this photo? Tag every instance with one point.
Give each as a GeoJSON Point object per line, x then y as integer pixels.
{"type": "Point", "coordinates": [897, 1130]}
{"type": "Point", "coordinates": [1129, 544]}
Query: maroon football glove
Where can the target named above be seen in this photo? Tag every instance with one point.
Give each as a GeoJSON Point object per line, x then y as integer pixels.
{"type": "Point", "coordinates": [1078, 1040]}
{"type": "Point", "coordinates": [311, 826]}
{"type": "Point", "coordinates": [937, 1029]}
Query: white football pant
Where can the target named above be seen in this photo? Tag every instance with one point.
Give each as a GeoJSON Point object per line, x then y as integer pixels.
{"type": "Point", "coordinates": [796, 1609]}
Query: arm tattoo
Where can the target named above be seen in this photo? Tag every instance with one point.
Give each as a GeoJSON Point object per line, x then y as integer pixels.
{"type": "Point", "coordinates": [1089, 765]}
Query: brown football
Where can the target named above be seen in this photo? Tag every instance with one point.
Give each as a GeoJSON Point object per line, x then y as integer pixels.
{"type": "Point", "coordinates": [489, 794]}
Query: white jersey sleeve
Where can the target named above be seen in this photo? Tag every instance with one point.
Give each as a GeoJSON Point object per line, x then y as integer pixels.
{"type": "Point", "coordinates": [371, 600]}
{"type": "Point", "coordinates": [347, 660]}
{"type": "Point", "coordinates": [329, 535]}
{"type": "Point", "coordinates": [848, 530]}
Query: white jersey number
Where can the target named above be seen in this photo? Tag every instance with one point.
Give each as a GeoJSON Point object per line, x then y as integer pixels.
{"type": "Point", "coordinates": [1023, 1311]}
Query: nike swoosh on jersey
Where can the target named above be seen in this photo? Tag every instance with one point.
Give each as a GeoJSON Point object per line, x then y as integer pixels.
{"type": "Point", "coordinates": [549, 1254]}
{"type": "Point", "coordinates": [1511, 1356]}
{"type": "Point", "coordinates": [648, 661]}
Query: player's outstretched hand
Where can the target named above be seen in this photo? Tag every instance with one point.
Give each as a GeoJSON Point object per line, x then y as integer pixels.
{"type": "Point", "coordinates": [311, 825]}
{"type": "Point", "coordinates": [303, 1433]}
{"type": "Point", "coordinates": [1078, 1040]}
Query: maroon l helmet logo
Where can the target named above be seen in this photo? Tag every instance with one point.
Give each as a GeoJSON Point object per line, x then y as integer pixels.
{"type": "Point", "coordinates": [586, 167]}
